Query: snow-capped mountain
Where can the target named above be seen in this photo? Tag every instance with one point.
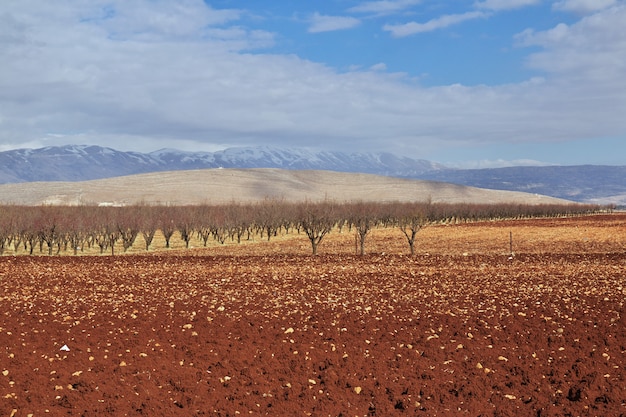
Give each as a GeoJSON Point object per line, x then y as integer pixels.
{"type": "Point", "coordinates": [585, 183]}
{"type": "Point", "coordinates": [80, 163]}
{"type": "Point", "coordinates": [296, 158]}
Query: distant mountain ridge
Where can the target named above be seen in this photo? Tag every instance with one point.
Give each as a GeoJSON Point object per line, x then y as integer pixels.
{"type": "Point", "coordinates": [81, 163]}
{"type": "Point", "coordinates": [585, 183]}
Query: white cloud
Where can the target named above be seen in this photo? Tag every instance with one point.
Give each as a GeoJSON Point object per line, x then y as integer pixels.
{"type": "Point", "coordinates": [412, 28]}
{"type": "Point", "coordinates": [497, 5]}
{"type": "Point", "coordinates": [381, 66]}
{"type": "Point", "coordinates": [383, 6]}
{"type": "Point", "coordinates": [591, 49]}
{"type": "Point", "coordinates": [583, 6]}
{"type": "Point", "coordinates": [76, 72]}
{"type": "Point", "coordinates": [159, 19]}
{"type": "Point", "coordinates": [321, 23]}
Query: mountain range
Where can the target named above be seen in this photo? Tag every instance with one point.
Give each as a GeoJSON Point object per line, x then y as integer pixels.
{"type": "Point", "coordinates": [585, 183]}
{"type": "Point", "coordinates": [80, 163]}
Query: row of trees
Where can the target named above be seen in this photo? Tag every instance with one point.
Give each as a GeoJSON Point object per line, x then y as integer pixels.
{"type": "Point", "coordinates": [54, 229]}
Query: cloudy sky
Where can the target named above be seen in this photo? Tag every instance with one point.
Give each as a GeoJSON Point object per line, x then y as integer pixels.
{"type": "Point", "coordinates": [466, 83]}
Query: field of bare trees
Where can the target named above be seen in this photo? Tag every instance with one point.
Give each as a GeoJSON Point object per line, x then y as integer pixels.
{"type": "Point", "coordinates": [88, 229]}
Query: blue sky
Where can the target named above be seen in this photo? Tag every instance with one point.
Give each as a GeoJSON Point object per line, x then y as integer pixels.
{"type": "Point", "coordinates": [481, 83]}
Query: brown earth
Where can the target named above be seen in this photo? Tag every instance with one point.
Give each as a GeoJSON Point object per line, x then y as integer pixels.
{"type": "Point", "coordinates": [462, 328]}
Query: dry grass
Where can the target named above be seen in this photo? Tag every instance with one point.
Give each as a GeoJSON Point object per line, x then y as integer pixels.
{"type": "Point", "coordinates": [219, 186]}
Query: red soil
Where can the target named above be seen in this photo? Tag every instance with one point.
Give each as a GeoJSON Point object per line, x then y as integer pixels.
{"type": "Point", "coordinates": [480, 334]}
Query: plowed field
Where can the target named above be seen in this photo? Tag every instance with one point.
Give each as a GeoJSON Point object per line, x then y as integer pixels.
{"type": "Point", "coordinates": [264, 328]}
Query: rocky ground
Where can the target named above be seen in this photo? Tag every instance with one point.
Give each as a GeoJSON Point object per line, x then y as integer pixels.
{"type": "Point", "coordinates": [462, 328]}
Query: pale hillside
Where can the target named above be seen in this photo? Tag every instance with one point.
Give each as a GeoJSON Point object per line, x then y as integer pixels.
{"type": "Point", "coordinates": [215, 186]}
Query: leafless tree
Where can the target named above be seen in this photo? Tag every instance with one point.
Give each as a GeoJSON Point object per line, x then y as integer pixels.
{"type": "Point", "coordinates": [411, 218]}
{"type": "Point", "coordinates": [204, 220]}
{"type": "Point", "coordinates": [363, 217]}
{"type": "Point", "coordinates": [74, 222]}
{"type": "Point", "coordinates": [185, 223]}
{"type": "Point", "coordinates": [6, 227]}
{"type": "Point", "coordinates": [269, 216]}
{"type": "Point", "coordinates": [105, 232]}
{"type": "Point", "coordinates": [46, 223]}
{"type": "Point", "coordinates": [167, 223]}
{"type": "Point", "coordinates": [128, 225]}
{"type": "Point", "coordinates": [316, 220]}
{"type": "Point", "coordinates": [148, 223]}
{"type": "Point", "coordinates": [239, 219]}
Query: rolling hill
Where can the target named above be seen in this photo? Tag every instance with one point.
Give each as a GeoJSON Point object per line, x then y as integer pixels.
{"type": "Point", "coordinates": [215, 186]}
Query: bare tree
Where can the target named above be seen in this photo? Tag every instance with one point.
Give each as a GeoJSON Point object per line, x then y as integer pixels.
{"type": "Point", "coordinates": [317, 220]}
{"type": "Point", "coordinates": [239, 219]}
{"type": "Point", "coordinates": [411, 218]}
{"type": "Point", "coordinates": [219, 224]}
{"type": "Point", "coordinates": [167, 223]}
{"type": "Point", "coordinates": [363, 217]}
{"type": "Point", "coordinates": [46, 223]}
{"type": "Point", "coordinates": [185, 223]}
{"type": "Point", "coordinates": [148, 223]}
{"type": "Point", "coordinates": [6, 227]}
{"type": "Point", "coordinates": [204, 218]}
{"type": "Point", "coordinates": [101, 239]}
{"type": "Point", "coordinates": [73, 221]}
{"type": "Point", "coordinates": [128, 225]}
{"type": "Point", "coordinates": [113, 235]}
{"type": "Point", "coordinates": [21, 226]}
{"type": "Point", "coordinates": [269, 216]}
{"type": "Point", "coordinates": [105, 231]}
{"type": "Point", "coordinates": [26, 229]}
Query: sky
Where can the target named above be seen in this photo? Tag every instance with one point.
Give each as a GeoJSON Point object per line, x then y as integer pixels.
{"type": "Point", "coordinates": [477, 83]}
